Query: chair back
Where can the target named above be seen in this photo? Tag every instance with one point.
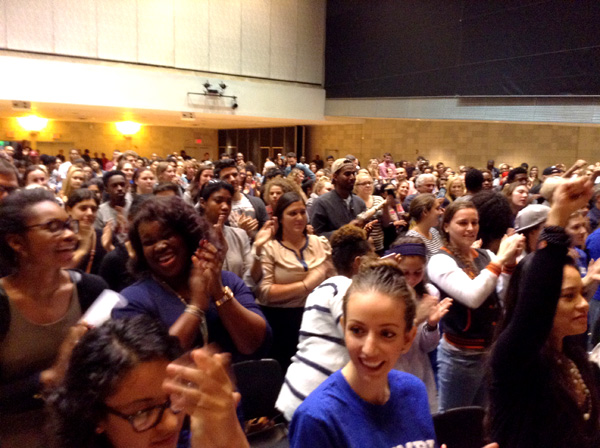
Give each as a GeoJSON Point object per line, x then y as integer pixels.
{"type": "Point", "coordinates": [259, 382]}
{"type": "Point", "coordinates": [460, 427]}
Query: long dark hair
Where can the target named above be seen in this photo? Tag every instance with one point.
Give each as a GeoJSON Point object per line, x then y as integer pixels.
{"type": "Point", "coordinates": [98, 364]}
{"type": "Point", "coordinates": [451, 210]}
{"type": "Point", "coordinates": [573, 346]}
{"type": "Point", "coordinates": [284, 202]}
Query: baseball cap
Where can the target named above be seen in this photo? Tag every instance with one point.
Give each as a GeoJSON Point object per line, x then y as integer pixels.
{"type": "Point", "coordinates": [531, 216]}
{"type": "Point", "coordinates": [339, 164]}
{"type": "Point", "coordinates": [551, 170]}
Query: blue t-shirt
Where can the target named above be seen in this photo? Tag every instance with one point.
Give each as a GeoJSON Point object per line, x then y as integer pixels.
{"type": "Point", "coordinates": [147, 296]}
{"type": "Point", "coordinates": [335, 416]}
{"type": "Point", "coordinates": [592, 245]}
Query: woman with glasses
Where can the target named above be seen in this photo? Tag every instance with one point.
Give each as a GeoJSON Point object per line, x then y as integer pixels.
{"type": "Point", "coordinates": [375, 213]}
{"type": "Point", "coordinates": [41, 303]}
{"type": "Point", "coordinates": [82, 206]}
{"type": "Point", "coordinates": [119, 391]}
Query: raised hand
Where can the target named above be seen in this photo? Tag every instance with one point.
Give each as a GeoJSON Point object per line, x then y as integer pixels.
{"type": "Point", "coordinates": [265, 234]}
{"type": "Point", "coordinates": [107, 236]}
{"type": "Point", "coordinates": [438, 311]}
{"type": "Point", "coordinates": [52, 376]}
{"type": "Point", "coordinates": [219, 232]}
{"type": "Point", "coordinates": [210, 400]}
{"type": "Point", "coordinates": [424, 308]}
{"type": "Point", "coordinates": [510, 248]}
{"type": "Point", "coordinates": [248, 224]}
{"type": "Point", "coordinates": [569, 197]}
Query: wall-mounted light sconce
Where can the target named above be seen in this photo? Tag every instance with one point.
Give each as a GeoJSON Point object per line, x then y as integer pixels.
{"type": "Point", "coordinates": [32, 123]}
{"type": "Point", "coordinates": [218, 91]}
{"type": "Point", "coordinates": [128, 128]}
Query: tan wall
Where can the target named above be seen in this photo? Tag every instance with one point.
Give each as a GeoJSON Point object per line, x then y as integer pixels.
{"type": "Point", "coordinates": [458, 143]}
{"type": "Point", "coordinates": [104, 138]}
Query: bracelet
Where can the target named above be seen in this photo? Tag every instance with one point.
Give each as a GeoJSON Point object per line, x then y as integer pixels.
{"type": "Point", "coordinates": [194, 311]}
{"type": "Point", "coordinates": [227, 296]}
{"type": "Point", "coordinates": [199, 314]}
{"type": "Point", "coordinates": [254, 253]}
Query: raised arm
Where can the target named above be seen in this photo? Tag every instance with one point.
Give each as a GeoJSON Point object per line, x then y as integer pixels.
{"type": "Point", "coordinates": [540, 285]}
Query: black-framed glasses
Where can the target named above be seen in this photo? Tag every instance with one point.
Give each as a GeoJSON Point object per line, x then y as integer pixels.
{"type": "Point", "coordinates": [56, 226]}
{"type": "Point", "coordinates": [144, 419]}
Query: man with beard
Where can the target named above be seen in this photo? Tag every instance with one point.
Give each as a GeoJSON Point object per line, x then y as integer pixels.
{"type": "Point", "coordinates": [340, 206]}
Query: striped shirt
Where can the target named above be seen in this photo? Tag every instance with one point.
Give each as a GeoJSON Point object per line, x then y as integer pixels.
{"type": "Point", "coordinates": [321, 347]}
{"type": "Point", "coordinates": [433, 245]}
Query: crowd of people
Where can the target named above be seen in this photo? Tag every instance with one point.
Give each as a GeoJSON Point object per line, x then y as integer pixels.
{"type": "Point", "coordinates": [387, 292]}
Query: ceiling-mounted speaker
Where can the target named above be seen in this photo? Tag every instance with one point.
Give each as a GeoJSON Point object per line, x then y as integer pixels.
{"type": "Point", "coordinates": [21, 105]}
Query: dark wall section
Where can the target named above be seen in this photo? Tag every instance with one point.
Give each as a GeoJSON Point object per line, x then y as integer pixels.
{"type": "Point", "coordinates": [398, 48]}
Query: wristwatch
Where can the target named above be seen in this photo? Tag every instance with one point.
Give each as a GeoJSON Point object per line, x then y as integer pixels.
{"type": "Point", "coordinates": [227, 296]}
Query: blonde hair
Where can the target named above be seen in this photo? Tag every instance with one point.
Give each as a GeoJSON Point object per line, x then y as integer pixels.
{"type": "Point", "coordinates": [67, 189]}
{"type": "Point", "coordinates": [451, 181]}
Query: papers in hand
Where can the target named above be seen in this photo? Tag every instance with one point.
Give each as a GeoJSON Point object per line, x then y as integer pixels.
{"type": "Point", "coordinates": [99, 311]}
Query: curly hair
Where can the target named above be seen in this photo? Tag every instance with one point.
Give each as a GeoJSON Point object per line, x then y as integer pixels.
{"type": "Point", "coordinates": [347, 243]}
{"type": "Point", "coordinates": [384, 277]}
{"type": "Point", "coordinates": [99, 362]}
{"type": "Point", "coordinates": [172, 212]}
{"type": "Point", "coordinates": [281, 182]}
{"type": "Point", "coordinates": [14, 212]}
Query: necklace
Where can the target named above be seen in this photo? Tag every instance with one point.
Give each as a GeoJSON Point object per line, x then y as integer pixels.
{"type": "Point", "coordinates": [576, 385]}
{"type": "Point", "coordinates": [203, 325]}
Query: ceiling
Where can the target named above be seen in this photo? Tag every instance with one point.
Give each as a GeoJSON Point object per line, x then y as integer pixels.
{"type": "Point", "coordinates": [96, 114]}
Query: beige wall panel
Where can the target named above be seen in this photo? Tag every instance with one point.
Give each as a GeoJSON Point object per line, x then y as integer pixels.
{"type": "Point", "coordinates": [284, 39]}
{"type": "Point", "coordinates": [311, 41]}
{"type": "Point", "coordinates": [225, 36]}
{"type": "Point", "coordinates": [459, 143]}
{"type": "Point", "coordinates": [256, 38]}
{"type": "Point", "coordinates": [191, 34]}
{"type": "Point", "coordinates": [104, 138]}
{"type": "Point", "coordinates": [29, 25]}
{"type": "Point", "coordinates": [3, 23]}
{"type": "Point", "coordinates": [75, 31]}
{"type": "Point", "coordinates": [155, 32]}
{"type": "Point", "coordinates": [117, 30]}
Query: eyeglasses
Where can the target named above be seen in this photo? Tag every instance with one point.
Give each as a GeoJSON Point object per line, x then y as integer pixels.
{"type": "Point", "coordinates": [56, 227]}
{"type": "Point", "coordinates": [366, 184]}
{"type": "Point", "coordinates": [145, 419]}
